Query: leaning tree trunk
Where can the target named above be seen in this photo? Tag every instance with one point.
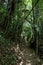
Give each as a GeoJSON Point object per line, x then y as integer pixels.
{"type": "Point", "coordinates": [35, 18]}
{"type": "Point", "coordinates": [7, 18]}
{"type": "Point", "coordinates": [38, 20]}
{"type": "Point", "coordinates": [19, 24]}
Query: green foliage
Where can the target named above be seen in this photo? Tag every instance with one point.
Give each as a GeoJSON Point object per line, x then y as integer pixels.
{"type": "Point", "coordinates": [27, 31]}
{"type": "Point", "coordinates": [3, 11]}
{"type": "Point", "coordinates": [19, 27]}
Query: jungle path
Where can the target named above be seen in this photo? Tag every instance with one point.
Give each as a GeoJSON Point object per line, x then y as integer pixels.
{"type": "Point", "coordinates": [14, 55]}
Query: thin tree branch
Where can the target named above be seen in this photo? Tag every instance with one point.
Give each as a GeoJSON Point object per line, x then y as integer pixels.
{"type": "Point", "coordinates": [32, 8]}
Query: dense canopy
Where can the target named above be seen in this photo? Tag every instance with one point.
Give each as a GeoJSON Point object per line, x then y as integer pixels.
{"type": "Point", "coordinates": [21, 32]}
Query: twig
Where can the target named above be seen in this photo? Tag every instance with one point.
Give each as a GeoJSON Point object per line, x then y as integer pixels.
{"type": "Point", "coordinates": [32, 8]}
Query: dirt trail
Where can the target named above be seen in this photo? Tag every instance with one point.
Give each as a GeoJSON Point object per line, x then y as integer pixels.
{"type": "Point", "coordinates": [27, 56]}
{"type": "Point", "coordinates": [13, 55]}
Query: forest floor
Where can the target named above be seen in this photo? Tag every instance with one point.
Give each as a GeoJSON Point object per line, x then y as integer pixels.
{"type": "Point", "coordinates": [15, 55]}
{"type": "Point", "coordinates": [27, 56]}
